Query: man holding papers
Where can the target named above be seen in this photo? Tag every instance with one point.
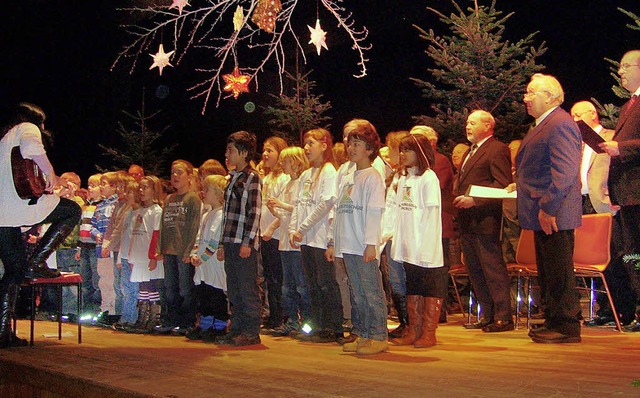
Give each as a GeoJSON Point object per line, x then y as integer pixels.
{"type": "Point", "coordinates": [486, 164]}
{"type": "Point", "coordinates": [624, 173]}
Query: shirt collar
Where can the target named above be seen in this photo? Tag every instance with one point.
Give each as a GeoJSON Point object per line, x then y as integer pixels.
{"type": "Point", "coordinates": [544, 115]}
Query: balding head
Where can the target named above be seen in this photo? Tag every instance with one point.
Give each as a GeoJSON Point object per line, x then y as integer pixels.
{"type": "Point", "coordinates": [585, 111]}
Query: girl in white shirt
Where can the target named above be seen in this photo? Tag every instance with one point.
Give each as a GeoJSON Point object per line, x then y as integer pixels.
{"type": "Point", "coordinates": [309, 230]}
{"type": "Point", "coordinates": [417, 241]}
{"type": "Point", "coordinates": [295, 292]}
{"type": "Point", "coordinates": [273, 184]}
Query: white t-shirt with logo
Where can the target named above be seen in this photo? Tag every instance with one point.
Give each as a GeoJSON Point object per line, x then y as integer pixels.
{"type": "Point", "coordinates": [418, 227]}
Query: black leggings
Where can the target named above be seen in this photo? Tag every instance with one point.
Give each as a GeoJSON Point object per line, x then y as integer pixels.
{"type": "Point", "coordinates": [427, 282]}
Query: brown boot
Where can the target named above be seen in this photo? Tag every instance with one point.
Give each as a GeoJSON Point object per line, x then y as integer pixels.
{"type": "Point", "coordinates": [400, 303]}
{"type": "Point", "coordinates": [412, 331]}
{"type": "Point", "coordinates": [430, 318]}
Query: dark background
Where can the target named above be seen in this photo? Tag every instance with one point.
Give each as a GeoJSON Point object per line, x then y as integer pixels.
{"type": "Point", "coordinates": [58, 54]}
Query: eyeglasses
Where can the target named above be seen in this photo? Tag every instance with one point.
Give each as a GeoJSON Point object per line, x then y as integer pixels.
{"type": "Point", "coordinates": [579, 115]}
{"type": "Point", "coordinates": [530, 95]}
{"type": "Point", "coordinates": [627, 66]}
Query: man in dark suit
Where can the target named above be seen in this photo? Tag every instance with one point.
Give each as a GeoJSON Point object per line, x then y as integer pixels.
{"type": "Point", "coordinates": [549, 203]}
{"type": "Point", "coordinates": [487, 164]}
{"type": "Point", "coordinates": [624, 172]}
{"type": "Point", "coordinates": [594, 174]}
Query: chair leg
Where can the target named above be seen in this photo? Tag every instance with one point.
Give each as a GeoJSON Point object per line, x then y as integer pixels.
{"type": "Point", "coordinates": [78, 311]}
{"type": "Point", "coordinates": [613, 307]}
{"type": "Point", "coordinates": [455, 288]}
{"type": "Point", "coordinates": [518, 299]}
{"type": "Point", "coordinates": [529, 302]}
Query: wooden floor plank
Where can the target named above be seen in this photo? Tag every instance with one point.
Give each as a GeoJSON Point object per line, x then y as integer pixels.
{"type": "Point", "coordinates": [464, 363]}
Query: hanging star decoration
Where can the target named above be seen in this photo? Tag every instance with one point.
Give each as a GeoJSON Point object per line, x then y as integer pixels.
{"type": "Point", "coordinates": [236, 82]}
{"type": "Point", "coordinates": [266, 13]}
{"type": "Point", "coordinates": [238, 18]}
{"type": "Point", "coordinates": [161, 59]}
{"type": "Point", "coordinates": [179, 4]}
{"type": "Point", "coordinates": [318, 37]}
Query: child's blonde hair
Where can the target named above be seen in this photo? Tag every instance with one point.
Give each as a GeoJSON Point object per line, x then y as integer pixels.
{"type": "Point", "coordinates": [188, 167]}
{"type": "Point", "coordinates": [133, 186]}
{"type": "Point", "coordinates": [156, 184]}
{"type": "Point", "coordinates": [215, 181]}
{"type": "Point", "coordinates": [112, 177]}
{"type": "Point", "coordinates": [278, 144]}
{"type": "Point", "coordinates": [299, 161]}
{"type": "Point", "coordinates": [94, 179]}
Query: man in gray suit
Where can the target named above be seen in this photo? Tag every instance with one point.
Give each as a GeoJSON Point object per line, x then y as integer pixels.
{"type": "Point", "coordinates": [624, 172]}
{"type": "Point", "coordinates": [594, 169]}
{"type": "Point", "coordinates": [594, 173]}
{"type": "Point", "coordinates": [548, 184]}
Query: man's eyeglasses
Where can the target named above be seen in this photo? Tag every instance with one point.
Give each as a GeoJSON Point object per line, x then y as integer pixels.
{"type": "Point", "coordinates": [627, 66]}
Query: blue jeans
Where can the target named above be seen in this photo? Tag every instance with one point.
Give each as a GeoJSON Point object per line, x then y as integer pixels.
{"type": "Point", "coordinates": [179, 291]}
{"type": "Point", "coordinates": [368, 296]}
{"type": "Point", "coordinates": [67, 263]}
{"type": "Point", "coordinates": [117, 284]}
{"type": "Point", "coordinates": [397, 276]}
{"type": "Point", "coordinates": [130, 294]}
{"type": "Point", "coordinates": [295, 292]}
{"type": "Point", "coordinates": [91, 297]}
{"type": "Point", "coordinates": [242, 289]}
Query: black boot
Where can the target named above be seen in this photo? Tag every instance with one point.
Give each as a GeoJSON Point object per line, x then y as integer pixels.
{"type": "Point", "coordinates": [8, 298]}
{"type": "Point", "coordinates": [400, 304]}
{"type": "Point", "coordinates": [55, 235]}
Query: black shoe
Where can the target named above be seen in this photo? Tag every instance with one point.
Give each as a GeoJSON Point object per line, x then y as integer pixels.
{"type": "Point", "coordinates": [478, 325]}
{"type": "Point", "coordinates": [246, 340]}
{"type": "Point", "coordinates": [632, 327]}
{"type": "Point", "coordinates": [499, 326]}
{"type": "Point", "coordinates": [326, 336]}
{"type": "Point", "coordinates": [551, 337]}
{"type": "Point", "coordinates": [537, 328]}
{"type": "Point", "coordinates": [349, 339]}
{"type": "Point", "coordinates": [225, 339]}
{"type": "Point", "coordinates": [600, 321]}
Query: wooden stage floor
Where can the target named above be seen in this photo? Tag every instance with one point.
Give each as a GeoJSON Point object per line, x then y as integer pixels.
{"type": "Point", "coordinates": [464, 363]}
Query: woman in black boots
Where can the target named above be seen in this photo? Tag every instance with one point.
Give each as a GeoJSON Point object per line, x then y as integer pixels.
{"type": "Point", "coordinates": [24, 131]}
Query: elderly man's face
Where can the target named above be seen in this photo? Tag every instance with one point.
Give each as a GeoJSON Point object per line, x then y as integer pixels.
{"type": "Point", "coordinates": [629, 71]}
{"type": "Point", "coordinates": [537, 99]}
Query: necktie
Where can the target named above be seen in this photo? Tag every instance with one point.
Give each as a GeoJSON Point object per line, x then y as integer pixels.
{"type": "Point", "coordinates": [473, 149]}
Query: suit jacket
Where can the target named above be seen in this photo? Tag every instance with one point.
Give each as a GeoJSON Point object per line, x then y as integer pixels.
{"type": "Point", "coordinates": [490, 166]}
{"type": "Point", "coordinates": [548, 172]}
{"type": "Point", "coordinates": [444, 172]}
{"type": "Point", "coordinates": [624, 172]}
{"type": "Point", "coordinates": [597, 176]}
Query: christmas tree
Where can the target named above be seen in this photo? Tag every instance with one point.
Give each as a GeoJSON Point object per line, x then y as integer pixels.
{"type": "Point", "coordinates": [140, 145]}
{"type": "Point", "coordinates": [293, 115]}
{"type": "Point", "coordinates": [476, 68]}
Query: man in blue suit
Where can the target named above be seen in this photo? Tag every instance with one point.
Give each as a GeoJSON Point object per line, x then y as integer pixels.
{"type": "Point", "coordinates": [550, 204]}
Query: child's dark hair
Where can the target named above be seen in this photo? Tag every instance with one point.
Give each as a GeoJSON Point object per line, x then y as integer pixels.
{"type": "Point", "coordinates": [419, 144]}
{"type": "Point", "coordinates": [363, 130]}
{"type": "Point", "coordinates": [244, 141]}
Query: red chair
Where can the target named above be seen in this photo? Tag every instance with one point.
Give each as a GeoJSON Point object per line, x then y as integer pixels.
{"type": "Point", "coordinates": [67, 279]}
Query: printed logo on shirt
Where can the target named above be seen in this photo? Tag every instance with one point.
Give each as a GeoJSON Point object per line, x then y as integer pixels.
{"type": "Point", "coordinates": [407, 202]}
{"type": "Point", "coordinates": [346, 203]}
{"type": "Point", "coordinates": [306, 197]}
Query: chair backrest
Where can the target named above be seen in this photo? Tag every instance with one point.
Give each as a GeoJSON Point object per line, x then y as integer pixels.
{"type": "Point", "coordinates": [592, 240]}
{"type": "Point", "coordinates": [526, 250]}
